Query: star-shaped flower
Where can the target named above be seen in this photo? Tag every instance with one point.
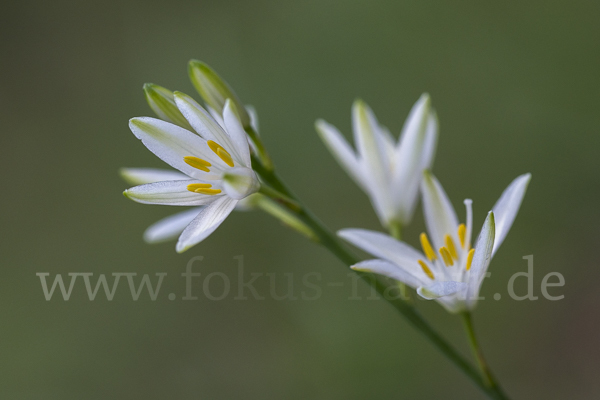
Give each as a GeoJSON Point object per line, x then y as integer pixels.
{"type": "Point", "coordinates": [449, 270]}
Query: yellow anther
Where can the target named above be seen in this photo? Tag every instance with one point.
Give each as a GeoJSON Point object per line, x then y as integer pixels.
{"type": "Point", "coordinates": [195, 186]}
{"type": "Point", "coordinates": [446, 257]}
{"type": "Point", "coordinates": [208, 191]}
{"type": "Point", "coordinates": [426, 269]}
{"type": "Point", "coordinates": [197, 163]}
{"type": "Point", "coordinates": [221, 152]}
{"type": "Point", "coordinates": [225, 157]}
{"type": "Point", "coordinates": [462, 232]}
{"type": "Point", "coordinates": [470, 258]}
{"type": "Point", "coordinates": [427, 249]}
{"type": "Point", "coordinates": [450, 246]}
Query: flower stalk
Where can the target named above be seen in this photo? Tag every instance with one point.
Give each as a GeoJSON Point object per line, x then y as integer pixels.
{"type": "Point", "coordinates": [489, 378]}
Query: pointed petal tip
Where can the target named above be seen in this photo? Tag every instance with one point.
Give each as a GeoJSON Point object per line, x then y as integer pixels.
{"type": "Point", "coordinates": [356, 267]}
{"type": "Point", "coordinates": [179, 248]}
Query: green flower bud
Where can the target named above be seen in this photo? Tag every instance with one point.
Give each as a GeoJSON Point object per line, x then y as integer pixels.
{"type": "Point", "coordinates": [214, 90]}
{"type": "Point", "coordinates": [162, 102]}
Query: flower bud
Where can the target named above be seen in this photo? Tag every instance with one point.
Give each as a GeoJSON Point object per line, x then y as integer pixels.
{"type": "Point", "coordinates": [162, 102]}
{"type": "Point", "coordinates": [214, 90]}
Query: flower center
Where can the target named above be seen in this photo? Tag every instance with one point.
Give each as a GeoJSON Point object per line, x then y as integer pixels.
{"type": "Point", "coordinates": [448, 253]}
{"type": "Point", "coordinates": [204, 165]}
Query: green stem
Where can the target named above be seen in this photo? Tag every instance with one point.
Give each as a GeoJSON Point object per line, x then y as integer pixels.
{"type": "Point", "coordinates": [333, 244]}
{"type": "Point", "coordinates": [262, 152]}
{"type": "Point", "coordinates": [490, 381]}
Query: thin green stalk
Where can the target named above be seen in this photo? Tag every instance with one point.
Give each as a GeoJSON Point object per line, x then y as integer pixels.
{"type": "Point", "coordinates": [262, 152]}
{"type": "Point", "coordinates": [333, 244]}
{"type": "Point", "coordinates": [490, 381]}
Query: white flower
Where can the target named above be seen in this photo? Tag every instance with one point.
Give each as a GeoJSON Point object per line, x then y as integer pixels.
{"type": "Point", "coordinates": [453, 275]}
{"type": "Point", "coordinates": [170, 227]}
{"type": "Point", "coordinates": [215, 161]}
{"type": "Point", "coordinates": [389, 172]}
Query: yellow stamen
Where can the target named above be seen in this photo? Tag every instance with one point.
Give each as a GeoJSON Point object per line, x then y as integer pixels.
{"type": "Point", "coordinates": [426, 269]}
{"type": "Point", "coordinates": [208, 191]}
{"type": "Point", "coordinates": [197, 163]}
{"type": "Point", "coordinates": [195, 186]}
{"type": "Point", "coordinates": [221, 152]}
{"type": "Point", "coordinates": [462, 232]}
{"type": "Point", "coordinates": [450, 246]}
{"type": "Point", "coordinates": [446, 257]}
{"type": "Point", "coordinates": [225, 157]}
{"type": "Point", "coordinates": [470, 258]}
{"type": "Point", "coordinates": [427, 249]}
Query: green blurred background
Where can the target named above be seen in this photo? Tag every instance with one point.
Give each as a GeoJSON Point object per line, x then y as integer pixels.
{"type": "Point", "coordinates": [516, 86]}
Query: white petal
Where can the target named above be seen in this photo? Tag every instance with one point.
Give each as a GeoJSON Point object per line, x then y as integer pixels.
{"type": "Point", "coordinates": [172, 143]}
{"type": "Point", "coordinates": [383, 246]}
{"type": "Point", "coordinates": [440, 289]}
{"type": "Point", "coordinates": [253, 117]}
{"type": "Point", "coordinates": [170, 227]}
{"type": "Point", "coordinates": [204, 124]}
{"type": "Point", "coordinates": [240, 182]}
{"type": "Point", "coordinates": [216, 116]}
{"type": "Point", "coordinates": [431, 138]}
{"type": "Point", "coordinates": [389, 269]}
{"type": "Point", "coordinates": [409, 163]}
{"type": "Point", "coordinates": [342, 151]}
{"type": "Point", "coordinates": [506, 208]}
{"type": "Point", "coordinates": [373, 155]}
{"type": "Point", "coordinates": [367, 138]}
{"type": "Point", "coordinates": [440, 217]}
{"type": "Point", "coordinates": [237, 133]}
{"type": "Point", "coordinates": [171, 193]}
{"type": "Point", "coordinates": [209, 219]}
{"type": "Point", "coordinates": [139, 176]}
{"type": "Point", "coordinates": [481, 259]}
{"type": "Point", "coordinates": [389, 143]}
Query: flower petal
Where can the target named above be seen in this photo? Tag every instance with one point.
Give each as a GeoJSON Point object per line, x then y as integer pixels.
{"type": "Point", "coordinates": [374, 161]}
{"type": "Point", "coordinates": [209, 219]}
{"type": "Point", "coordinates": [389, 269]}
{"type": "Point", "coordinates": [170, 193]}
{"type": "Point", "coordinates": [171, 144]}
{"type": "Point", "coordinates": [204, 123]}
{"type": "Point", "coordinates": [441, 289]}
{"type": "Point", "coordinates": [236, 132]}
{"type": "Point", "coordinates": [409, 164]}
{"type": "Point", "coordinates": [170, 227]}
{"type": "Point", "coordinates": [507, 207]}
{"type": "Point", "coordinates": [431, 137]}
{"type": "Point", "coordinates": [341, 151]}
{"type": "Point", "coordinates": [440, 217]}
{"type": "Point", "coordinates": [384, 246]}
{"type": "Point", "coordinates": [253, 117]}
{"type": "Point", "coordinates": [139, 176]}
{"type": "Point", "coordinates": [481, 259]}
